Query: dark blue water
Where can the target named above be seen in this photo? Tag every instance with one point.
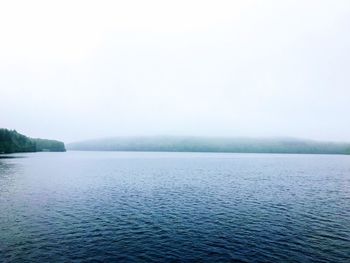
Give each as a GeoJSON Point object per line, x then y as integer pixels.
{"type": "Point", "coordinates": [174, 207]}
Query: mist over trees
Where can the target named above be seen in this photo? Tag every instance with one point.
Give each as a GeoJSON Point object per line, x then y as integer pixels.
{"type": "Point", "coordinates": [211, 144]}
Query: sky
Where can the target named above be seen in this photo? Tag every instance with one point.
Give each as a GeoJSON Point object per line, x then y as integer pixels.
{"type": "Point", "coordinates": [75, 70]}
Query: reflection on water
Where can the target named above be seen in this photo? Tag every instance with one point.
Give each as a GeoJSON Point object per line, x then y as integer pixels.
{"type": "Point", "coordinates": [174, 207]}
{"type": "Point", "coordinates": [10, 156]}
{"type": "Point", "coordinates": [8, 172]}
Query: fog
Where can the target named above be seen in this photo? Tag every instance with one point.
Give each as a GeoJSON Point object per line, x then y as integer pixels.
{"type": "Point", "coordinates": [75, 70]}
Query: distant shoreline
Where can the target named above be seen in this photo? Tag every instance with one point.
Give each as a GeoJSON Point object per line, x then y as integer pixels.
{"type": "Point", "coordinates": [262, 153]}
{"type": "Point", "coordinates": [13, 142]}
{"type": "Point", "coordinates": [211, 144]}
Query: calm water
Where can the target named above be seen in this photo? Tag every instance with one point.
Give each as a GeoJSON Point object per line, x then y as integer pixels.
{"type": "Point", "coordinates": [174, 207]}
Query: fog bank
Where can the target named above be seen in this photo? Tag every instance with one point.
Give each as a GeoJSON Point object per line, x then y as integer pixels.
{"type": "Point", "coordinates": [75, 70]}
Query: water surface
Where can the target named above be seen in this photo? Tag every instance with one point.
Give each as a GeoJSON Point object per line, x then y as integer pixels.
{"type": "Point", "coordinates": [174, 207]}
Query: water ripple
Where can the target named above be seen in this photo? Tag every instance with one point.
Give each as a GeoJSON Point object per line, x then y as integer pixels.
{"type": "Point", "coordinates": [147, 207]}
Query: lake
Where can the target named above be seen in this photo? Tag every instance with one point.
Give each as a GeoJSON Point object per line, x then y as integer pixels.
{"type": "Point", "coordinates": [174, 207]}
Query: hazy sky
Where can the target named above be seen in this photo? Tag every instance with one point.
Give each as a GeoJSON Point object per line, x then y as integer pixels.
{"type": "Point", "coordinates": [73, 70]}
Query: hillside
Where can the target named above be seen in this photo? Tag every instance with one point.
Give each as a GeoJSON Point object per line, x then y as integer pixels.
{"type": "Point", "coordinates": [12, 142]}
{"type": "Point", "coordinates": [211, 144]}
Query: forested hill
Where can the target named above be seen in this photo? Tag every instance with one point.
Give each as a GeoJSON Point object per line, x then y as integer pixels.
{"type": "Point", "coordinates": [211, 144]}
{"type": "Point", "coordinates": [12, 142]}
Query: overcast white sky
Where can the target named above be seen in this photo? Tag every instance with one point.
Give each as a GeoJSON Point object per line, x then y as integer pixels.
{"type": "Point", "coordinates": [73, 70]}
